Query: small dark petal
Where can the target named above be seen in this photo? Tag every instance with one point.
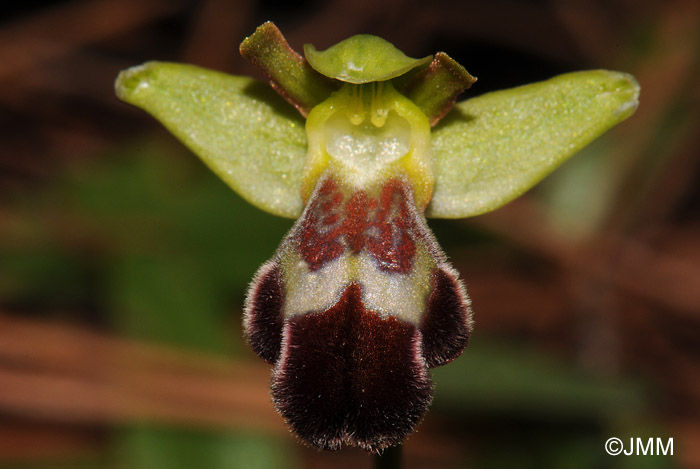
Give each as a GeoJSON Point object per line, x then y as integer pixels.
{"type": "Point", "coordinates": [347, 376]}
{"type": "Point", "coordinates": [263, 312]}
{"type": "Point", "coordinates": [435, 89]}
{"type": "Point", "coordinates": [290, 74]}
{"type": "Point", "coordinates": [447, 322]}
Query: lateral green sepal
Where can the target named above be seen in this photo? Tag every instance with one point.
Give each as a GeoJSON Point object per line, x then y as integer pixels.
{"type": "Point", "coordinates": [238, 126]}
{"type": "Point", "coordinates": [490, 149]}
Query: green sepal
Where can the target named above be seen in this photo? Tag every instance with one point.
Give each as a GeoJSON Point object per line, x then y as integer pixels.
{"type": "Point", "coordinates": [362, 59]}
{"type": "Point", "coordinates": [490, 149]}
{"type": "Point", "coordinates": [239, 127]}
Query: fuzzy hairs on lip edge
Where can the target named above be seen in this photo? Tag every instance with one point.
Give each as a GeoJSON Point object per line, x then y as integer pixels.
{"type": "Point", "coordinates": [347, 376]}
{"type": "Point", "coordinates": [262, 321]}
{"type": "Point", "coordinates": [447, 321]}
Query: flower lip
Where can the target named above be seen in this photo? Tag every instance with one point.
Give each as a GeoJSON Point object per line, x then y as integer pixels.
{"type": "Point", "coordinates": [362, 59]}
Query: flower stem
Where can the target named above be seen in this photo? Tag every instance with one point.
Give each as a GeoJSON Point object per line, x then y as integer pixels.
{"type": "Point", "coordinates": [389, 459]}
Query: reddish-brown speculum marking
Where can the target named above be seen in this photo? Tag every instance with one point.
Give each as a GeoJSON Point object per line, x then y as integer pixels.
{"type": "Point", "coordinates": [383, 226]}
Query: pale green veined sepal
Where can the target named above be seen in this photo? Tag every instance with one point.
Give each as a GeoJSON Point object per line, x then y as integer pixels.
{"type": "Point", "coordinates": [490, 149]}
{"type": "Point", "coordinates": [239, 127]}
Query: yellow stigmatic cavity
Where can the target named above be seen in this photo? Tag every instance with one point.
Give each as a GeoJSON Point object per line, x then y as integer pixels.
{"type": "Point", "coordinates": [366, 134]}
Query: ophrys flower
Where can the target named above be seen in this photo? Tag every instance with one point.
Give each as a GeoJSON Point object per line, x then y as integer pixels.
{"type": "Point", "coordinates": [359, 301]}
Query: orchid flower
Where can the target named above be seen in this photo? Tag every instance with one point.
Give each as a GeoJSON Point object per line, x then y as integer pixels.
{"type": "Point", "coordinates": [359, 301]}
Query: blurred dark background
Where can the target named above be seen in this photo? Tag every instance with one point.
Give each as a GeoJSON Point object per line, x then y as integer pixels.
{"type": "Point", "coordinates": [124, 261]}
